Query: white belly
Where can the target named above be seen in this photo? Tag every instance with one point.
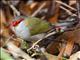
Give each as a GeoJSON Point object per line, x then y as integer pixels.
{"type": "Point", "coordinates": [22, 31]}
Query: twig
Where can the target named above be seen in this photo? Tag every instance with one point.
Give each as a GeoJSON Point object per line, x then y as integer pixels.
{"type": "Point", "coordinates": [12, 7]}
{"type": "Point", "coordinates": [66, 5]}
{"type": "Point", "coordinates": [69, 12]}
{"type": "Point", "coordinates": [15, 10]}
{"type": "Point", "coordinates": [78, 8]}
{"type": "Point", "coordinates": [33, 5]}
{"type": "Point", "coordinates": [15, 50]}
{"type": "Point", "coordinates": [70, 44]}
{"type": "Point", "coordinates": [61, 52]}
{"type": "Point", "coordinates": [8, 40]}
{"type": "Point", "coordinates": [41, 40]}
{"type": "Point", "coordinates": [35, 13]}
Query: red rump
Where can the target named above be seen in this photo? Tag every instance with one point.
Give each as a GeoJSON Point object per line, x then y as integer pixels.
{"type": "Point", "coordinates": [15, 23]}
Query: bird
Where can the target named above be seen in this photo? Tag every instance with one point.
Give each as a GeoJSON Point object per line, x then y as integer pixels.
{"type": "Point", "coordinates": [25, 27]}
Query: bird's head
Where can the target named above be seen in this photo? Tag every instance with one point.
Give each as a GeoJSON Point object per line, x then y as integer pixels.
{"type": "Point", "coordinates": [16, 22]}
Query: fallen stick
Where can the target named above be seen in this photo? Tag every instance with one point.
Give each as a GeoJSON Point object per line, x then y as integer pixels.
{"type": "Point", "coordinates": [61, 52]}
{"type": "Point", "coordinates": [66, 5]}
{"type": "Point", "coordinates": [70, 43]}
{"type": "Point", "coordinates": [8, 40]}
{"type": "Point", "coordinates": [35, 13]}
{"type": "Point", "coordinates": [15, 51]}
{"type": "Point", "coordinates": [69, 12]}
{"type": "Point", "coordinates": [15, 10]}
{"type": "Point", "coordinates": [40, 40]}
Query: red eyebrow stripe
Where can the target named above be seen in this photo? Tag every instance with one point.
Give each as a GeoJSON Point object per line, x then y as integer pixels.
{"type": "Point", "coordinates": [14, 23]}
{"type": "Point", "coordinates": [21, 19]}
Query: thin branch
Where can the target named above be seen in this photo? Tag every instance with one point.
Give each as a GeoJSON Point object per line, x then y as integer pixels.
{"type": "Point", "coordinates": [8, 40]}
{"type": "Point", "coordinates": [41, 40]}
{"type": "Point", "coordinates": [69, 12]}
{"type": "Point", "coordinates": [15, 10]}
{"type": "Point", "coordinates": [66, 5]}
{"type": "Point", "coordinates": [15, 50]}
{"type": "Point", "coordinates": [35, 13]}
